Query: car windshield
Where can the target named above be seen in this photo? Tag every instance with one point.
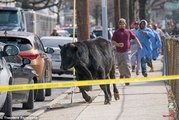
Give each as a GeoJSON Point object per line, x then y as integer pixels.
{"type": "Point", "coordinates": [22, 43]}
{"type": "Point", "coordinates": [9, 18]}
{"type": "Point", "coordinates": [70, 30]}
{"type": "Point", "coordinates": [99, 33]}
{"type": "Point", "coordinates": [55, 42]}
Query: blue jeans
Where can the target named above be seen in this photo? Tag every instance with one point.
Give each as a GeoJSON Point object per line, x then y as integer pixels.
{"type": "Point", "coordinates": [143, 65]}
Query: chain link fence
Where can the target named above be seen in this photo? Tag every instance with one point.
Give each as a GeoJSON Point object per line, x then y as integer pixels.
{"type": "Point", "coordinates": [171, 67]}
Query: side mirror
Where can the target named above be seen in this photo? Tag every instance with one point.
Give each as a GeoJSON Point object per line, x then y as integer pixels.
{"type": "Point", "coordinates": [11, 50]}
{"type": "Point", "coordinates": [49, 50]}
{"type": "Point", "coordinates": [25, 61]}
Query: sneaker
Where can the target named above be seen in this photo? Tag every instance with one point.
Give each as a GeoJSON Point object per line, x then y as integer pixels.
{"type": "Point", "coordinates": [145, 74]}
{"type": "Point", "coordinates": [127, 84]}
{"type": "Point", "coordinates": [137, 72]}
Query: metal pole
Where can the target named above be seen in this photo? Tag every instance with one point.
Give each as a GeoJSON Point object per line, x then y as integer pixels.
{"type": "Point", "coordinates": [104, 19]}
{"type": "Point", "coordinates": [74, 22]}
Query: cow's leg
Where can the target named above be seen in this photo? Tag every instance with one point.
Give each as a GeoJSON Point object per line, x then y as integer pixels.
{"type": "Point", "coordinates": [85, 95]}
{"type": "Point", "coordinates": [109, 91]}
{"type": "Point", "coordinates": [116, 93]}
{"type": "Point", "coordinates": [107, 98]}
{"type": "Point", "coordinates": [83, 73]}
{"type": "Point", "coordinates": [108, 88]}
{"type": "Point", "coordinates": [115, 90]}
{"type": "Point", "coordinates": [104, 87]}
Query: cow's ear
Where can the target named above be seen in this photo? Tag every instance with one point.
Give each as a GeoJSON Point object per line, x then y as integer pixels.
{"type": "Point", "coordinates": [75, 48]}
{"type": "Point", "coordinates": [60, 46]}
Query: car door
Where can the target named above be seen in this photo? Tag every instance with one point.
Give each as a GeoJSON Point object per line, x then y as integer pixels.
{"type": "Point", "coordinates": [4, 79]}
{"type": "Point", "coordinates": [21, 75]}
{"type": "Point", "coordinates": [46, 59]}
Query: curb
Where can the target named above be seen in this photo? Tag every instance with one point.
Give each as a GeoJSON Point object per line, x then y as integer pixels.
{"type": "Point", "coordinates": [49, 105]}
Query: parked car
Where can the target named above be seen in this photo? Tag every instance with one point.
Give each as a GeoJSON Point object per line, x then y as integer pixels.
{"type": "Point", "coordinates": [22, 73]}
{"type": "Point", "coordinates": [6, 78]}
{"type": "Point", "coordinates": [53, 42]}
{"type": "Point", "coordinates": [32, 48]}
{"type": "Point", "coordinates": [98, 33]}
{"type": "Point", "coordinates": [64, 33]}
{"type": "Point", "coordinates": [92, 36]}
{"type": "Point", "coordinates": [70, 30]}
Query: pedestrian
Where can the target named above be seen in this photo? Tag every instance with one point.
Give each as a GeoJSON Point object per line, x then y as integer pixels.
{"type": "Point", "coordinates": [145, 35]}
{"type": "Point", "coordinates": [135, 51]}
{"type": "Point", "coordinates": [121, 40]}
{"type": "Point", "coordinates": [158, 30]}
{"type": "Point", "coordinates": [166, 35]}
{"type": "Point", "coordinates": [156, 46]}
{"type": "Point", "coordinates": [54, 33]}
{"type": "Point", "coordinates": [161, 35]}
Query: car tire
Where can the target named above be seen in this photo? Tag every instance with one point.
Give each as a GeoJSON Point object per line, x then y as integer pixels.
{"type": "Point", "coordinates": [30, 103]}
{"type": "Point", "coordinates": [48, 92]}
{"type": "Point", "coordinates": [7, 107]}
{"type": "Point", "coordinates": [40, 95]}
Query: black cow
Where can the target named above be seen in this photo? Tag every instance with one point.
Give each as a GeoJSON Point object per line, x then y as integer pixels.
{"type": "Point", "coordinates": [91, 60]}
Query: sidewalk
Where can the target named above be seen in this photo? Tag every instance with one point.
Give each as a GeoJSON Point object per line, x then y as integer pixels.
{"type": "Point", "coordinates": [139, 101]}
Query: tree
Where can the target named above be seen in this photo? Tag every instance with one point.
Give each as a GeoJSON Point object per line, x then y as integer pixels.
{"type": "Point", "coordinates": [116, 13]}
{"type": "Point", "coordinates": [59, 7]}
{"type": "Point", "coordinates": [96, 10]}
{"type": "Point", "coordinates": [133, 10]}
{"type": "Point", "coordinates": [124, 7]}
{"type": "Point", "coordinates": [142, 8]}
{"type": "Point", "coordinates": [33, 4]}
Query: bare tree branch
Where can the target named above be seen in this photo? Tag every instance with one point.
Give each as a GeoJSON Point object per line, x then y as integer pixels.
{"type": "Point", "coordinates": [2, 1]}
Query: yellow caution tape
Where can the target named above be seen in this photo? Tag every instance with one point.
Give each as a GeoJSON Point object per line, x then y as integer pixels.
{"type": "Point", "coordinates": [84, 83]}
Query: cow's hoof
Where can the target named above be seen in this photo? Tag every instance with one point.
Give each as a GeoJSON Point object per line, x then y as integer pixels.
{"type": "Point", "coordinates": [89, 100]}
{"type": "Point", "coordinates": [110, 99]}
{"type": "Point", "coordinates": [107, 102]}
{"type": "Point", "coordinates": [116, 96]}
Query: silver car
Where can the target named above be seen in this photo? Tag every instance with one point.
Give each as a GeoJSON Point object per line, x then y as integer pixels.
{"type": "Point", "coordinates": [53, 42]}
{"type": "Point", "coordinates": [22, 73]}
{"type": "Point", "coordinates": [6, 78]}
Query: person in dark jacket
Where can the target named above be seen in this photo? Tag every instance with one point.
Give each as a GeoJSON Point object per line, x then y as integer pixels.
{"type": "Point", "coordinates": [54, 33]}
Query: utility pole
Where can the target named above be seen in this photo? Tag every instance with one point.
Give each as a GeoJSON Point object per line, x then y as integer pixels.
{"type": "Point", "coordinates": [83, 30]}
{"type": "Point", "coordinates": [117, 13]}
{"type": "Point", "coordinates": [104, 19]}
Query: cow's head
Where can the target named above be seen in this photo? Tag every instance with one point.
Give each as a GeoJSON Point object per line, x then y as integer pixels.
{"type": "Point", "coordinates": [68, 55]}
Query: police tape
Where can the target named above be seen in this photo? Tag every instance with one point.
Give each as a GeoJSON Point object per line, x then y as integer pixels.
{"type": "Point", "coordinates": [20, 87]}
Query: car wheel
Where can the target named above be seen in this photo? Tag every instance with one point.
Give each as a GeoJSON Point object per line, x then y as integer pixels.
{"type": "Point", "coordinates": [7, 107]}
{"type": "Point", "coordinates": [40, 94]}
{"type": "Point", "coordinates": [48, 92]}
{"type": "Point", "coordinates": [30, 103]}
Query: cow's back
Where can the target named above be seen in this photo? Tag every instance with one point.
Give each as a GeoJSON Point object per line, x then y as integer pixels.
{"type": "Point", "coordinates": [101, 55]}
